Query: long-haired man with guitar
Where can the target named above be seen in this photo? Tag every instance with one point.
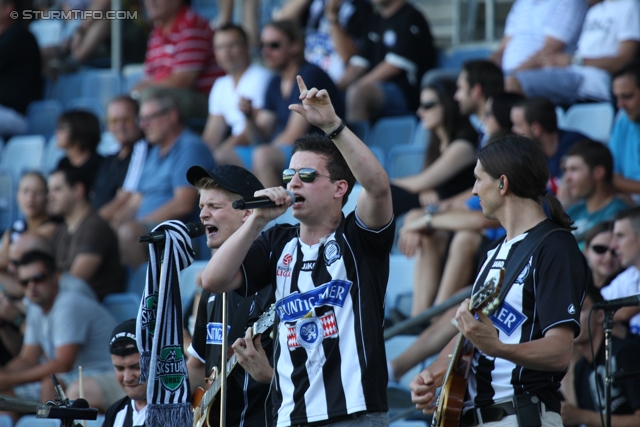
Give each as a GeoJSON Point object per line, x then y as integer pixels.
{"type": "Point", "coordinates": [525, 306]}
{"type": "Point", "coordinates": [248, 403]}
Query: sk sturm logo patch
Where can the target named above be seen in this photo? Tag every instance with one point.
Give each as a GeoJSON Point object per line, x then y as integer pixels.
{"type": "Point", "coordinates": [171, 368]}
{"type": "Point", "coordinates": [149, 313]}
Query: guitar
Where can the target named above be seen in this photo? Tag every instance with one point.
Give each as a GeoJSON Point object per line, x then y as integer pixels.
{"type": "Point", "coordinates": [203, 400]}
{"type": "Point", "coordinates": [454, 385]}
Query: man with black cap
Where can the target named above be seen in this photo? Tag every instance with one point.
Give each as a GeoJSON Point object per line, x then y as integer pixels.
{"type": "Point", "coordinates": [248, 401]}
{"type": "Point", "coordinates": [130, 411]}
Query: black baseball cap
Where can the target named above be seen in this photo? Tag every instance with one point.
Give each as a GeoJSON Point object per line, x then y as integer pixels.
{"type": "Point", "coordinates": [123, 335]}
{"type": "Point", "coordinates": [230, 177]}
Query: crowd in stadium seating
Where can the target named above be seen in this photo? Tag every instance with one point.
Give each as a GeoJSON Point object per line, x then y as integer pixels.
{"type": "Point", "coordinates": [204, 98]}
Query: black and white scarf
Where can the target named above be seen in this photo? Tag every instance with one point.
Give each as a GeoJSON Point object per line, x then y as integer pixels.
{"type": "Point", "coordinates": [159, 330]}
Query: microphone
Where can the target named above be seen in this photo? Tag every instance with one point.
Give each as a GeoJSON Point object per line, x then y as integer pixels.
{"type": "Point", "coordinates": [260, 202]}
{"type": "Point", "coordinates": [194, 229]}
{"type": "Point", "coordinates": [615, 304]}
{"type": "Point", "coordinates": [58, 388]}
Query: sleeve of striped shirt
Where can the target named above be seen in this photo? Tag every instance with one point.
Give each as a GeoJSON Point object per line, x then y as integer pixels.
{"type": "Point", "coordinates": [194, 48]}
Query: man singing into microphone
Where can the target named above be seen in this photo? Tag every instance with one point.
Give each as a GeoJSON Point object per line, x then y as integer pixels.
{"type": "Point", "coordinates": [330, 275]}
{"type": "Point", "coordinates": [626, 244]}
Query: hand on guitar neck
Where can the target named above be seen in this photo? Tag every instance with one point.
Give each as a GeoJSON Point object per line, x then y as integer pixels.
{"type": "Point", "coordinates": [252, 357]}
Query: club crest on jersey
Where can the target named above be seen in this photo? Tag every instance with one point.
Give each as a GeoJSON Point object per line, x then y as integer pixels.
{"type": "Point", "coordinates": [331, 252]}
{"type": "Point", "coordinates": [295, 306]}
{"type": "Point", "coordinates": [523, 274]}
{"type": "Point", "coordinates": [507, 319]}
{"type": "Point", "coordinates": [214, 333]}
{"type": "Point", "coordinates": [309, 332]}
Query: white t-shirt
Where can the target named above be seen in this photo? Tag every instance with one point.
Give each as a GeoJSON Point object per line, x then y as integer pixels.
{"type": "Point", "coordinates": [530, 21]}
{"type": "Point", "coordinates": [607, 24]}
{"type": "Point", "coordinates": [625, 284]}
{"type": "Point", "coordinates": [224, 97]}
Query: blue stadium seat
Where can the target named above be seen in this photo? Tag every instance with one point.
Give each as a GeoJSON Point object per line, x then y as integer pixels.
{"type": "Point", "coordinates": [52, 156]}
{"type": "Point", "coordinates": [405, 160]}
{"type": "Point", "coordinates": [188, 281]}
{"type": "Point", "coordinates": [65, 88]}
{"type": "Point", "coordinates": [137, 280]}
{"type": "Point", "coordinates": [131, 75]}
{"type": "Point", "coordinates": [420, 135]}
{"type": "Point", "coordinates": [122, 306]}
{"type": "Point", "coordinates": [7, 199]}
{"type": "Point", "coordinates": [391, 131]}
{"type": "Point", "coordinates": [400, 279]}
{"type": "Point", "coordinates": [352, 200]}
{"type": "Point", "coordinates": [592, 120]}
{"type": "Point", "coordinates": [456, 57]}
{"type": "Point", "coordinates": [42, 117]}
{"type": "Point", "coordinates": [361, 128]}
{"type": "Point", "coordinates": [23, 153]}
{"type": "Point", "coordinates": [89, 104]}
{"type": "Point", "coordinates": [101, 85]}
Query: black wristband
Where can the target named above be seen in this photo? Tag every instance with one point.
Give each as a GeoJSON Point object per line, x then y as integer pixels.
{"type": "Point", "coordinates": [337, 131]}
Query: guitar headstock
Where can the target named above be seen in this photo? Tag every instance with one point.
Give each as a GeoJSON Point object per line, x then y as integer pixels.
{"type": "Point", "coordinates": [486, 298]}
{"type": "Point", "coordinates": [265, 321]}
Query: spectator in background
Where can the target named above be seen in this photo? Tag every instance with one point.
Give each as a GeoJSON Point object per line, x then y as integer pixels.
{"type": "Point", "coordinates": [625, 137]}
{"type": "Point", "coordinates": [179, 56]}
{"type": "Point", "coordinates": [536, 119]}
{"type": "Point", "coordinates": [118, 174]}
{"type": "Point", "coordinates": [78, 134]}
{"type": "Point", "coordinates": [55, 341]}
{"type": "Point", "coordinates": [32, 201]}
{"type": "Point", "coordinates": [163, 192]}
{"type": "Point", "coordinates": [536, 29]}
{"type": "Point", "coordinates": [334, 30]}
{"type": "Point", "coordinates": [83, 244]}
{"type": "Point", "coordinates": [245, 83]}
{"type": "Point", "coordinates": [283, 52]}
{"type": "Point", "coordinates": [20, 80]}
{"type": "Point", "coordinates": [604, 263]}
{"type": "Point", "coordinates": [497, 115]}
{"type": "Point", "coordinates": [450, 155]}
{"type": "Point", "coordinates": [609, 39]}
{"type": "Point", "coordinates": [383, 78]}
{"type": "Point", "coordinates": [626, 244]}
{"type": "Point", "coordinates": [588, 177]}
{"type": "Point", "coordinates": [478, 81]}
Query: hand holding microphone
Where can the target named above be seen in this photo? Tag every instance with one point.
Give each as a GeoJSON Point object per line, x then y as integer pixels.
{"type": "Point", "coordinates": [261, 202]}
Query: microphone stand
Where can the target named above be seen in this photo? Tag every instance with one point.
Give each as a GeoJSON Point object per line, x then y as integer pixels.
{"type": "Point", "coordinates": [608, 350]}
{"type": "Point", "coordinates": [223, 362]}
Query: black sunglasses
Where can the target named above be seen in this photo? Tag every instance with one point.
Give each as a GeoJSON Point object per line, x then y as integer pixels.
{"type": "Point", "coordinates": [271, 45]}
{"type": "Point", "coordinates": [37, 279]}
{"type": "Point", "coordinates": [428, 105]}
{"type": "Point", "coordinates": [305, 174]}
{"type": "Point", "coordinates": [601, 249]}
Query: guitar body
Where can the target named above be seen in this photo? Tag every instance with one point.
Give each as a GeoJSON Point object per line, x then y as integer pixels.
{"type": "Point", "coordinates": [200, 413]}
{"type": "Point", "coordinates": [454, 386]}
{"type": "Point", "coordinates": [453, 392]}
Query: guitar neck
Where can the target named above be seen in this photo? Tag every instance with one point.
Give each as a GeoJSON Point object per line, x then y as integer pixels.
{"type": "Point", "coordinates": [210, 394]}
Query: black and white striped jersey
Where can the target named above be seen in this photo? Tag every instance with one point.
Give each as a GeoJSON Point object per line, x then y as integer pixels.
{"type": "Point", "coordinates": [330, 357]}
{"type": "Point", "coordinates": [547, 293]}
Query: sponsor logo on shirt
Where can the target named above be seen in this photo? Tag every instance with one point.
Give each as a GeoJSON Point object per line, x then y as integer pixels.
{"type": "Point", "coordinates": [390, 38]}
{"type": "Point", "coordinates": [214, 333]}
{"type": "Point", "coordinates": [310, 332]}
{"type": "Point", "coordinates": [507, 319]}
{"type": "Point", "coordinates": [523, 274]}
{"type": "Point", "coordinates": [295, 306]}
{"type": "Point", "coordinates": [308, 265]}
{"type": "Point", "coordinates": [498, 264]}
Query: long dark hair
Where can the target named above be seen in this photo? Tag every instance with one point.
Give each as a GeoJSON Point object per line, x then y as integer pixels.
{"type": "Point", "coordinates": [526, 168]}
{"type": "Point", "coordinates": [454, 122]}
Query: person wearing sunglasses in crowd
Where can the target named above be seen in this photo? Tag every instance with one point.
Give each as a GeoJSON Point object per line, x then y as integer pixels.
{"type": "Point", "coordinates": [55, 342]}
{"type": "Point", "coordinates": [588, 180]}
{"type": "Point", "coordinates": [273, 127]}
{"type": "Point", "coordinates": [329, 272]}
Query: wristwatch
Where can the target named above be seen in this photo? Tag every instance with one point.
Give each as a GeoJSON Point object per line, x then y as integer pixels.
{"type": "Point", "coordinates": [577, 60]}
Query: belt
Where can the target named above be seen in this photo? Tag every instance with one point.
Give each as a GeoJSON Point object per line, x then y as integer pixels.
{"type": "Point", "coordinates": [487, 414]}
{"type": "Point", "coordinates": [332, 420]}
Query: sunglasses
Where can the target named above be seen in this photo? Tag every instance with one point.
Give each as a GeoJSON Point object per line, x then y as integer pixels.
{"type": "Point", "coordinates": [601, 249]}
{"type": "Point", "coordinates": [305, 174]}
{"type": "Point", "coordinates": [37, 279]}
{"type": "Point", "coordinates": [271, 45]}
{"type": "Point", "coordinates": [428, 105]}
